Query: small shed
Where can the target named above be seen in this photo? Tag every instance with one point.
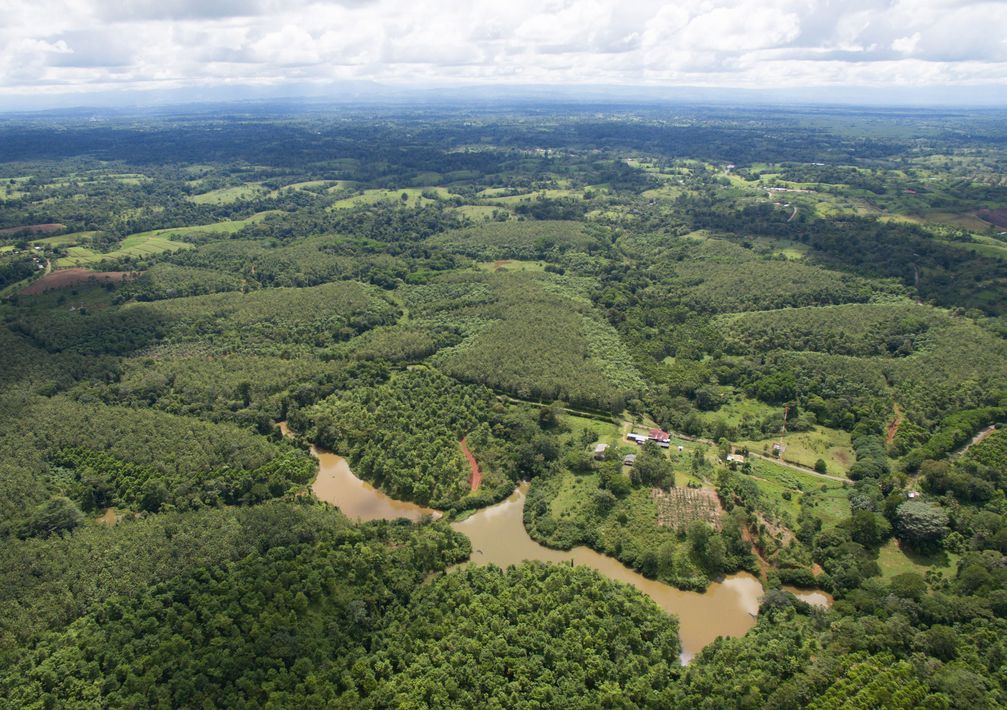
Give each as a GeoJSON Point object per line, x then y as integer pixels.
{"type": "Point", "coordinates": [629, 459]}
{"type": "Point", "coordinates": [599, 451]}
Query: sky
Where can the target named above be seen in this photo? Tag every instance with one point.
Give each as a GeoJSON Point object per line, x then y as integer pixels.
{"type": "Point", "coordinates": [76, 48]}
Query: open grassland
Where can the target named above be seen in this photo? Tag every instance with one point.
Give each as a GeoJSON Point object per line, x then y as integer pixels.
{"type": "Point", "coordinates": [136, 245]}
{"type": "Point", "coordinates": [479, 213]}
{"type": "Point", "coordinates": [511, 265]}
{"type": "Point", "coordinates": [784, 487]}
{"type": "Point", "coordinates": [414, 197]}
{"type": "Point", "coordinates": [10, 188]}
{"type": "Point", "coordinates": [155, 241]}
{"type": "Point", "coordinates": [805, 448]}
{"type": "Point", "coordinates": [608, 432]}
{"type": "Point", "coordinates": [528, 197]}
{"type": "Point", "coordinates": [229, 195]}
{"type": "Point", "coordinates": [63, 240]}
{"type": "Point", "coordinates": [893, 561]}
{"type": "Point", "coordinates": [740, 410]}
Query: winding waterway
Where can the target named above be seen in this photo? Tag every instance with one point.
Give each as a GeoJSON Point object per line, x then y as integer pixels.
{"type": "Point", "coordinates": [357, 499]}
{"type": "Point", "coordinates": [726, 608]}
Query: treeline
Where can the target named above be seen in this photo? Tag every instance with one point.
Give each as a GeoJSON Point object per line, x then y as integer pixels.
{"type": "Point", "coordinates": [16, 268]}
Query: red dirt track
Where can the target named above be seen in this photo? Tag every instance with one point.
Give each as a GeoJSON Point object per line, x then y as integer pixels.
{"type": "Point", "coordinates": [475, 475]}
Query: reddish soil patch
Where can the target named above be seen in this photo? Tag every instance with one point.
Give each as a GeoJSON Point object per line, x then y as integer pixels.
{"type": "Point", "coordinates": [34, 228]}
{"type": "Point", "coordinates": [893, 428]}
{"type": "Point", "coordinates": [816, 569]}
{"type": "Point", "coordinates": [475, 475]}
{"type": "Point", "coordinates": [500, 263]}
{"type": "Point", "coordinates": [997, 216]}
{"type": "Point", "coordinates": [67, 278]}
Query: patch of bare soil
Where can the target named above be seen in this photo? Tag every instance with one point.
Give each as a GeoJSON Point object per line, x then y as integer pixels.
{"type": "Point", "coordinates": [997, 216]}
{"type": "Point", "coordinates": [34, 228]}
{"type": "Point", "coordinates": [68, 278]}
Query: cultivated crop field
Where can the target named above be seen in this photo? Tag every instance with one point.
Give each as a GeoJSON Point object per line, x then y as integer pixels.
{"type": "Point", "coordinates": [680, 506]}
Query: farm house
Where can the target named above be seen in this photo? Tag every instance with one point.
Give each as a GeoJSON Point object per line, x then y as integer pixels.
{"type": "Point", "coordinates": [659, 435]}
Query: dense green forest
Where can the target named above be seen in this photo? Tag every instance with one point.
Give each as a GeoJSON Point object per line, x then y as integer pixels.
{"type": "Point", "coordinates": [803, 310]}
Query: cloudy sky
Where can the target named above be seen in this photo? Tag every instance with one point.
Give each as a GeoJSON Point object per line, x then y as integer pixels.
{"type": "Point", "coordinates": [80, 46]}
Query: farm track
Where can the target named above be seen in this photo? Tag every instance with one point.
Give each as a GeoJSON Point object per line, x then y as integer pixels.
{"type": "Point", "coordinates": [475, 475]}
{"type": "Point", "coordinates": [977, 439]}
{"type": "Point", "coordinates": [893, 428]}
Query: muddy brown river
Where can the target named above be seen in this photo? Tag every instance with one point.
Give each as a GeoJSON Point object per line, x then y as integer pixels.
{"type": "Point", "coordinates": [726, 608]}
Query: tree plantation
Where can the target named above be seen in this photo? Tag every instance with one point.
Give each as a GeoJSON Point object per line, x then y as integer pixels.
{"type": "Point", "coordinates": [632, 376]}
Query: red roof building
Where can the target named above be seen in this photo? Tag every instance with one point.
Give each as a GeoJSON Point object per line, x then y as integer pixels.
{"type": "Point", "coordinates": [659, 435]}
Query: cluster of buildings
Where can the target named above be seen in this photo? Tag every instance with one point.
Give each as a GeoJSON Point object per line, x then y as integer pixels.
{"type": "Point", "coordinates": [662, 438]}
{"type": "Point", "coordinates": [659, 436]}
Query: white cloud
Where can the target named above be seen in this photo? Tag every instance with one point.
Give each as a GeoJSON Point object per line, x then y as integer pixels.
{"type": "Point", "coordinates": [80, 45]}
{"type": "Point", "coordinates": [907, 45]}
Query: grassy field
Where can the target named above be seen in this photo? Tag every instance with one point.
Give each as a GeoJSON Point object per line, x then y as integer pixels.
{"type": "Point", "coordinates": [828, 498]}
{"type": "Point", "coordinates": [9, 191]}
{"type": "Point", "coordinates": [986, 246]}
{"type": "Point", "coordinates": [607, 432]}
{"type": "Point", "coordinates": [805, 448]}
{"type": "Point", "coordinates": [478, 213]}
{"type": "Point", "coordinates": [739, 409]}
{"type": "Point", "coordinates": [511, 265]}
{"type": "Point", "coordinates": [140, 245]}
{"type": "Point", "coordinates": [414, 197]}
{"type": "Point", "coordinates": [893, 561]}
{"type": "Point", "coordinates": [63, 240]}
{"type": "Point", "coordinates": [305, 185]}
{"type": "Point", "coordinates": [154, 242]}
{"type": "Point", "coordinates": [227, 195]}
{"type": "Point", "coordinates": [512, 200]}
